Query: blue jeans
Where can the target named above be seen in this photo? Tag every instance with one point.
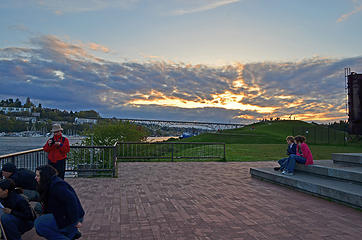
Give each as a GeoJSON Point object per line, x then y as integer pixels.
{"type": "Point", "coordinates": [13, 226]}
{"type": "Point", "coordinates": [283, 163]}
{"type": "Point", "coordinates": [47, 227]}
{"type": "Point", "coordinates": [292, 159]}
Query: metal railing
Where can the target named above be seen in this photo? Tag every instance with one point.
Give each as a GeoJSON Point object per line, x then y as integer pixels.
{"type": "Point", "coordinates": [92, 161]}
{"type": "Point", "coordinates": [166, 151]}
{"type": "Point", "coordinates": [30, 159]}
{"type": "Point", "coordinates": [82, 161]}
{"type": "Point", "coordinates": [322, 135]}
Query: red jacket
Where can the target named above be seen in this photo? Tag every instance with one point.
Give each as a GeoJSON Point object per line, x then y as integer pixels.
{"type": "Point", "coordinates": [55, 152]}
{"type": "Point", "coordinates": [306, 153]}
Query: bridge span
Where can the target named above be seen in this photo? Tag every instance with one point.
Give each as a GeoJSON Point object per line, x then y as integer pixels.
{"type": "Point", "coordinates": [186, 124]}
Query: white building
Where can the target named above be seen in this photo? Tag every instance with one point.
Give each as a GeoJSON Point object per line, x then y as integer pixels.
{"type": "Point", "coordinates": [85, 120]}
{"type": "Point", "coordinates": [14, 109]}
{"type": "Point", "coordinates": [26, 119]}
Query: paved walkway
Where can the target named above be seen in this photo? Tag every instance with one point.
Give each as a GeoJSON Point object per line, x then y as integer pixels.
{"type": "Point", "coordinates": [205, 201]}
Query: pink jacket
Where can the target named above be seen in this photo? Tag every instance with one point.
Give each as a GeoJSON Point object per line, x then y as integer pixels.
{"type": "Point", "coordinates": [306, 153]}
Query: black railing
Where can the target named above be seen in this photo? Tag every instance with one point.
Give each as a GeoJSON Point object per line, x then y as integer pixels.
{"type": "Point", "coordinates": [170, 151]}
{"type": "Point", "coordinates": [95, 161]}
{"type": "Point", "coordinates": [82, 161]}
{"type": "Point", "coordinates": [322, 135]}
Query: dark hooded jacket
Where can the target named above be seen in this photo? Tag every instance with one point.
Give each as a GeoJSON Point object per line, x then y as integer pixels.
{"type": "Point", "coordinates": [63, 203]}
{"type": "Point", "coordinates": [24, 178]}
{"type": "Point", "coordinates": [19, 206]}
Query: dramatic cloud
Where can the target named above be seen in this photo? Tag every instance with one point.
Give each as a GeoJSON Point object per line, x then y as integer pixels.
{"type": "Point", "coordinates": [66, 75]}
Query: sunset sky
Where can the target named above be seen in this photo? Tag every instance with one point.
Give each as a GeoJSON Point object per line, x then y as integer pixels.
{"type": "Point", "coordinates": [193, 60]}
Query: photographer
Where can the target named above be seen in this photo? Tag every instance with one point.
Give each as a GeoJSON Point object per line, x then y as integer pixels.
{"type": "Point", "coordinates": [57, 148]}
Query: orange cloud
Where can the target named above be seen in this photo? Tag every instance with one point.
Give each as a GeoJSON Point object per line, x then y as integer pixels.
{"type": "Point", "coordinates": [97, 47]}
{"type": "Point", "coordinates": [71, 50]}
{"type": "Point", "coordinates": [226, 100]}
{"type": "Point", "coordinates": [249, 117]}
{"type": "Point", "coordinates": [317, 116]}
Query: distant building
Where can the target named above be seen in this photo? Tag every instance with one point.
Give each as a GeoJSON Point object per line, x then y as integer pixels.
{"type": "Point", "coordinates": [26, 119]}
{"type": "Point", "coordinates": [85, 120]}
{"type": "Point", "coordinates": [35, 114]}
{"type": "Point", "coordinates": [14, 109]}
{"type": "Point", "coordinates": [355, 103]}
{"type": "Point", "coordinates": [59, 122]}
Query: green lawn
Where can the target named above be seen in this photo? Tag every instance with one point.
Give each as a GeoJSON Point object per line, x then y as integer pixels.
{"type": "Point", "coordinates": [265, 141]}
{"type": "Point", "coordinates": [269, 152]}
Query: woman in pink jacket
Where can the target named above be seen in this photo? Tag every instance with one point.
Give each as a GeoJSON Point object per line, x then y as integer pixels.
{"type": "Point", "coordinates": [303, 156]}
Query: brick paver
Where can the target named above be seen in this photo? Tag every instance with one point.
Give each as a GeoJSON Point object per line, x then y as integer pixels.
{"type": "Point", "coordinates": [193, 200]}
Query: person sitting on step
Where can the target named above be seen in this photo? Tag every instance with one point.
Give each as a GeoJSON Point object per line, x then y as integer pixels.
{"type": "Point", "coordinates": [292, 149]}
{"type": "Point", "coordinates": [303, 156]}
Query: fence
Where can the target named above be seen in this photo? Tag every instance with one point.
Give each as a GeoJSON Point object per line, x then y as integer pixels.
{"type": "Point", "coordinates": [30, 159]}
{"type": "Point", "coordinates": [95, 161]}
{"type": "Point", "coordinates": [322, 135]}
{"type": "Point", "coordinates": [165, 151]}
{"type": "Point", "coordinates": [83, 161]}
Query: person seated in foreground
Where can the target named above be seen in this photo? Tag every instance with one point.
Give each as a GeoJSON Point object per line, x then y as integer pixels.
{"type": "Point", "coordinates": [303, 156]}
{"type": "Point", "coordinates": [16, 214]}
{"type": "Point", "coordinates": [63, 212]}
{"type": "Point", "coordinates": [292, 149]}
{"type": "Point", "coordinates": [23, 178]}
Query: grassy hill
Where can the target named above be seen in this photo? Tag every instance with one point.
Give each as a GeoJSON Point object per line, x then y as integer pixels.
{"type": "Point", "coordinates": [273, 132]}
{"type": "Point", "coordinates": [266, 140]}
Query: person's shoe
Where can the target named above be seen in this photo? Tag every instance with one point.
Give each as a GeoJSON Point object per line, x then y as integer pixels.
{"type": "Point", "coordinates": [276, 168]}
{"type": "Point", "coordinates": [77, 235]}
{"type": "Point", "coordinates": [287, 173]}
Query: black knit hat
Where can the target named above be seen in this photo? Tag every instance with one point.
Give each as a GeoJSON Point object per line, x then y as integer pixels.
{"type": "Point", "coordinates": [9, 167]}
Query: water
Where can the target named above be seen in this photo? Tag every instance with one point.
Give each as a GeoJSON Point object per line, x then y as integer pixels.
{"type": "Point", "coordinates": [18, 144]}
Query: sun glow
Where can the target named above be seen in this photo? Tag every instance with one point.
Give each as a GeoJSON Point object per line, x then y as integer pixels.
{"type": "Point", "coordinates": [227, 100]}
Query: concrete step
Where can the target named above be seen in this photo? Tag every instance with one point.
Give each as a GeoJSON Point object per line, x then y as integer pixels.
{"type": "Point", "coordinates": [344, 191]}
{"type": "Point", "coordinates": [328, 168]}
{"type": "Point", "coordinates": [347, 158]}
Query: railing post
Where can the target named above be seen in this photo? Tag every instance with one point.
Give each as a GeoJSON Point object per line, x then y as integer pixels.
{"type": "Point", "coordinates": [224, 153]}
{"type": "Point", "coordinates": [114, 160]}
{"type": "Point", "coordinates": [172, 145]}
{"type": "Point", "coordinates": [328, 135]}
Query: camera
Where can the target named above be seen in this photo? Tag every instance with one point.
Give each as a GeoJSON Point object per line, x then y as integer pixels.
{"type": "Point", "coordinates": [51, 142]}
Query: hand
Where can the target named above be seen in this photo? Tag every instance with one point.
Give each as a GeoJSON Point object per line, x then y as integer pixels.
{"type": "Point", "coordinates": [7, 210]}
{"type": "Point", "coordinates": [79, 224]}
{"type": "Point", "coordinates": [58, 143]}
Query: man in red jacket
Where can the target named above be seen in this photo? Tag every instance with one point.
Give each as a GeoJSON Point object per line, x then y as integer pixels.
{"type": "Point", "coordinates": [57, 148]}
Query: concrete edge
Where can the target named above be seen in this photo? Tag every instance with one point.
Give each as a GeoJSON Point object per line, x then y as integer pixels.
{"type": "Point", "coordinates": [348, 199]}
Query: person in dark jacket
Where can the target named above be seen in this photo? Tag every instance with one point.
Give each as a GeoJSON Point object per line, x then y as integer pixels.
{"type": "Point", "coordinates": [16, 214]}
{"type": "Point", "coordinates": [23, 178]}
{"type": "Point", "coordinates": [57, 148]}
{"type": "Point", "coordinates": [292, 149]}
{"type": "Point", "coordinates": [63, 212]}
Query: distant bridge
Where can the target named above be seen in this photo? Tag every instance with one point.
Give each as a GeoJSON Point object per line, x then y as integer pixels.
{"type": "Point", "coordinates": [186, 124]}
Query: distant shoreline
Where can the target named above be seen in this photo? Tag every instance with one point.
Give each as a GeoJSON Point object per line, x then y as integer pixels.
{"type": "Point", "coordinates": [14, 144]}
